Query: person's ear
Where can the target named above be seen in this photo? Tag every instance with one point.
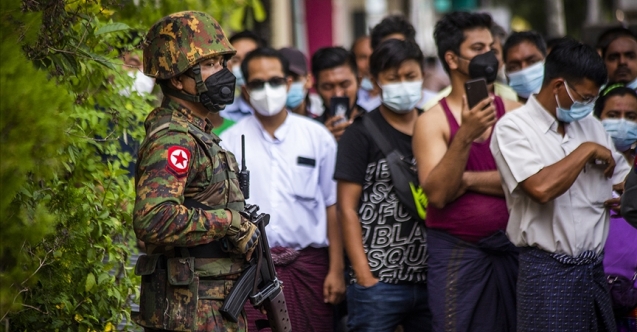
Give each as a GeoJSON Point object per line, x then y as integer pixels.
{"type": "Point", "coordinates": [452, 60]}
{"type": "Point", "coordinates": [309, 81]}
{"type": "Point", "coordinates": [245, 93]}
{"type": "Point", "coordinates": [175, 81]}
{"type": "Point", "coordinates": [288, 82]}
{"type": "Point", "coordinates": [556, 84]}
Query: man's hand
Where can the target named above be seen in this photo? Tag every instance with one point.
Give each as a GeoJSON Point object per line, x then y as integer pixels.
{"type": "Point", "coordinates": [334, 287]}
{"type": "Point", "coordinates": [601, 154]}
{"type": "Point", "coordinates": [246, 239]}
{"type": "Point", "coordinates": [614, 204]}
{"type": "Point", "coordinates": [337, 129]}
{"type": "Point", "coordinates": [368, 281]}
{"type": "Point", "coordinates": [477, 120]}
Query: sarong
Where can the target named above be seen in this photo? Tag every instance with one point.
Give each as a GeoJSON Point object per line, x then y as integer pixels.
{"type": "Point", "coordinates": [472, 286]}
{"type": "Point", "coordinates": [563, 293]}
{"type": "Point", "coordinates": [303, 289]}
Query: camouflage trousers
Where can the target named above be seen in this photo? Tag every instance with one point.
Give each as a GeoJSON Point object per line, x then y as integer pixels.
{"type": "Point", "coordinates": [209, 319]}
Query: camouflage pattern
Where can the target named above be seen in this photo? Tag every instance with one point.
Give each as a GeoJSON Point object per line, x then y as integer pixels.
{"type": "Point", "coordinates": [181, 40]}
{"type": "Point", "coordinates": [159, 218]}
{"type": "Point", "coordinates": [177, 294]}
{"type": "Point", "coordinates": [209, 319]}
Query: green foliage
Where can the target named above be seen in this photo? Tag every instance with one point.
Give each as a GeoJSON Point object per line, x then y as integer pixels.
{"type": "Point", "coordinates": [66, 205]}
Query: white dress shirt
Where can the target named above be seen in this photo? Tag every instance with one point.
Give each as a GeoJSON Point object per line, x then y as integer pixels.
{"type": "Point", "coordinates": [525, 141]}
{"type": "Point", "coordinates": [283, 181]}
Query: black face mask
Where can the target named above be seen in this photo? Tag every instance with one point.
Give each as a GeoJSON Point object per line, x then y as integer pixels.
{"type": "Point", "coordinates": [220, 90]}
{"type": "Point", "coordinates": [484, 66]}
{"type": "Point", "coordinates": [214, 93]}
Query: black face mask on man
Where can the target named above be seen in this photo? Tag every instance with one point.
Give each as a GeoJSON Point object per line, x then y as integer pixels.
{"type": "Point", "coordinates": [485, 66]}
{"type": "Point", "coordinates": [214, 93]}
{"type": "Point", "coordinates": [219, 90]}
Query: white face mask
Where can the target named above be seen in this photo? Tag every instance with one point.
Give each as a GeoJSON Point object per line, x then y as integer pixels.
{"type": "Point", "coordinates": [143, 84]}
{"type": "Point", "coordinates": [402, 97]}
{"type": "Point", "coordinates": [269, 101]}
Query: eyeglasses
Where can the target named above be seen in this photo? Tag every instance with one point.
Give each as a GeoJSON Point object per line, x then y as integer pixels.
{"type": "Point", "coordinates": [584, 101]}
{"type": "Point", "coordinates": [274, 82]}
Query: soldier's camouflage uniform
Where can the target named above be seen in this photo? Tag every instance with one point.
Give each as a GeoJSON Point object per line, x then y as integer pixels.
{"type": "Point", "coordinates": [179, 291]}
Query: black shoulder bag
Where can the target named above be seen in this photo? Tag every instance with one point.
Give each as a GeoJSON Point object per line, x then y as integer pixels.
{"type": "Point", "coordinates": [403, 173]}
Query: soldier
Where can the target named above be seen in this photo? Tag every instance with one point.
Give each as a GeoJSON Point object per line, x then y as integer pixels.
{"type": "Point", "coordinates": [194, 252]}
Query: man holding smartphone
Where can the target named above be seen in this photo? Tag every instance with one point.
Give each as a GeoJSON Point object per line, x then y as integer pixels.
{"type": "Point", "coordinates": [335, 71]}
{"type": "Point", "coordinates": [558, 167]}
{"type": "Point", "coordinates": [472, 264]}
{"type": "Point", "coordinates": [291, 161]}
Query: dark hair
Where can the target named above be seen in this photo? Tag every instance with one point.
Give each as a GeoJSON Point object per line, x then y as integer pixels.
{"type": "Point", "coordinates": [332, 57]}
{"type": "Point", "coordinates": [498, 32]}
{"type": "Point", "coordinates": [610, 35]}
{"type": "Point", "coordinates": [390, 25]}
{"type": "Point", "coordinates": [392, 53]}
{"type": "Point", "coordinates": [551, 42]}
{"type": "Point", "coordinates": [264, 52]}
{"type": "Point", "coordinates": [611, 90]}
{"type": "Point", "coordinates": [449, 31]}
{"type": "Point", "coordinates": [518, 38]}
{"type": "Point", "coordinates": [574, 61]}
{"type": "Point", "coordinates": [356, 41]}
{"type": "Point", "coordinates": [247, 34]}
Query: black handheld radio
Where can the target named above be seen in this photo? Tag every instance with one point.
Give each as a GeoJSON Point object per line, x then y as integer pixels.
{"type": "Point", "coordinates": [244, 174]}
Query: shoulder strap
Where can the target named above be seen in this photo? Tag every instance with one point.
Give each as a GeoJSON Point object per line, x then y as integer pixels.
{"type": "Point", "coordinates": [377, 135]}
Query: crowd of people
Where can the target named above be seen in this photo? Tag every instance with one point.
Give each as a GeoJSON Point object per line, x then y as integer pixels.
{"type": "Point", "coordinates": [394, 202]}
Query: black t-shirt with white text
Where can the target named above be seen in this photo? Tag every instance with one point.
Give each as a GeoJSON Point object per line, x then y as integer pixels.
{"type": "Point", "coordinates": [394, 241]}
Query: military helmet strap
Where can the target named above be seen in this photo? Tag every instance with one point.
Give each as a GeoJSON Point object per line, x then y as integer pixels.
{"type": "Point", "coordinates": [169, 90]}
{"type": "Point", "coordinates": [201, 89]}
{"type": "Point", "coordinates": [200, 86]}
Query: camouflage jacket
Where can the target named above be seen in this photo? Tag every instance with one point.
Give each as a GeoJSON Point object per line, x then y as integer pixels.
{"type": "Point", "coordinates": [180, 158]}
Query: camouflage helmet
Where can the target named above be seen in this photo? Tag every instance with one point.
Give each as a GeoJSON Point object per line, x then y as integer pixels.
{"type": "Point", "coordinates": [180, 40]}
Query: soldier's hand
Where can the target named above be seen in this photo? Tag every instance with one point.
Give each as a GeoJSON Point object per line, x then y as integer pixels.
{"type": "Point", "coordinates": [246, 239]}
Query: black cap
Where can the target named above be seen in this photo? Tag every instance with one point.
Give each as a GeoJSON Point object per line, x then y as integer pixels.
{"type": "Point", "coordinates": [298, 63]}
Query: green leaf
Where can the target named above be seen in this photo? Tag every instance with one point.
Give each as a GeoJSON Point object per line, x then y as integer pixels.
{"type": "Point", "coordinates": [103, 277]}
{"type": "Point", "coordinates": [97, 58]}
{"type": "Point", "coordinates": [236, 18]}
{"type": "Point", "coordinates": [90, 282]}
{"type": "Point", "coordinates": [259, 11]}
{"type": "Point", "coordinates": [111, 27]}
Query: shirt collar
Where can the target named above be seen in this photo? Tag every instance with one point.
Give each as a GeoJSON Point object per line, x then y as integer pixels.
{"type": "Point", "coordinates": [541, 116]}
{"type": "Point", "coordinates": [203, 124]}
{"type": "Point", "coordinates": [280, 133]}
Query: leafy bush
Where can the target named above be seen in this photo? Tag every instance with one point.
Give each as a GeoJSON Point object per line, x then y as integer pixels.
{"type": "Point", "coordinates": [65, 211]}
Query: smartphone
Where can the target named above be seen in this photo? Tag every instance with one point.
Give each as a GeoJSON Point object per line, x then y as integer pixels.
{"type": "Point", "coordinates": [339, 106]}
{"type": "Point", "coordinates": [476, 91]}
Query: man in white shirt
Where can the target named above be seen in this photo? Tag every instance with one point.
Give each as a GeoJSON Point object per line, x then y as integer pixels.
{"type": "Point", "coordinates": [558, 167]}
{"type": "Point", "coordinates": [291, 159]}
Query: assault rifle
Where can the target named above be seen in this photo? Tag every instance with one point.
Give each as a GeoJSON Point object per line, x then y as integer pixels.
{"type": "Point", "coordinates": [259, 281]}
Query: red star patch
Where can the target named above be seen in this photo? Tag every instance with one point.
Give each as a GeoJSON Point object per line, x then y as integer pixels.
{"type": "Point", "coordinates": [178, 159]}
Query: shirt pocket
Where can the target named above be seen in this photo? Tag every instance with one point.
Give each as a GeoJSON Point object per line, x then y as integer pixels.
{"type": "Point", "coordinates": [304, 182]}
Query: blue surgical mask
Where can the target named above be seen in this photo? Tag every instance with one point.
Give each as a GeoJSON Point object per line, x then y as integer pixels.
{"type": "Point", "coordinates": [528, 80]}
{"type": "Point", "coordinates": [632, 85]}
{"type": "Point", "coordinates": [295, 95]}
{"type": "Point", "coordinates": [366, 84]}
{"type": "Point", "coordinates": [622, 131]}
{"type": "Point", "coordinates": [578, 110]}
{"type": "Point", "coordinates": [236, 71]}
{"type": "Point", "coordinates": [402, 97]}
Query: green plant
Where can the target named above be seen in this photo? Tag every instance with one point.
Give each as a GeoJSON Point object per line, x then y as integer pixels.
{"type": "Point", "coordinates": [65, 211]}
